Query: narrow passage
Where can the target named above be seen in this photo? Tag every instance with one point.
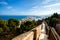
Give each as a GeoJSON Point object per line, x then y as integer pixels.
{"type": "Point", "coordinates": [43, 35]}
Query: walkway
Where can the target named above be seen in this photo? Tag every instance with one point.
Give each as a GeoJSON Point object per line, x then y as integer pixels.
{"type": "Point", "coordinates": [43, 35]}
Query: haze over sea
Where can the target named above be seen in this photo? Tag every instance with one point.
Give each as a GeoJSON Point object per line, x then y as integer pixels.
{"type": "Point", "coordinates": [20, 17]}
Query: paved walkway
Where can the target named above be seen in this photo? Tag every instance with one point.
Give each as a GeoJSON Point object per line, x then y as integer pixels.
{"type": "Point", "coordinates": [43, 35]}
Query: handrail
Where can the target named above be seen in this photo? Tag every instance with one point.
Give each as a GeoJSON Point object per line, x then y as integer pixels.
{"type": "Point", "coordinates": [53, 31]}
{"type": "Point", "coordinates": [56, 36]}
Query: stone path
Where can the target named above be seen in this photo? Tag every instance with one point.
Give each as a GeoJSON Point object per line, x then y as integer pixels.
{"type": "Point", "coordinates": [43, 35]}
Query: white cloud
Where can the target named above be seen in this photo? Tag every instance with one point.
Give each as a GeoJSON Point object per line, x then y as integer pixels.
{"type": "Point", "coordinates": [46, 1]}
{"type": "Point", "coordinates": [44, 10]}
{"type": "Point", "coordinates": [5, 3]}
{"type": "Point", "coordinates": [37, 9]}
{"type": "Point", "coordinates": [52, 5]}
{"type": "Point", "coordinates": [9, 7]}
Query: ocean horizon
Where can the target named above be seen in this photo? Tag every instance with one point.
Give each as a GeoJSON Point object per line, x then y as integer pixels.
{"type": "Point", "coordinates": [20, 17]}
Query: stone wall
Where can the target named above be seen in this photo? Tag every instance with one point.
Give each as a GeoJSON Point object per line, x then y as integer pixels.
{"type": "Point", "coordinates": [25, 36]}
{"type": "Point", "coordinates": [37, 32]}
{"type": "Point", "coordinates": [30, 35]}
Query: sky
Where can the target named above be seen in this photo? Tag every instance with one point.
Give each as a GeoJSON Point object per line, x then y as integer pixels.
{"type": "Point", "coordinates": [29, 7]}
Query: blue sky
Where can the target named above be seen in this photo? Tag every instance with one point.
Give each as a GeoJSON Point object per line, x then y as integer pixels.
{"type": "Point", "coordinates": [29, 7]}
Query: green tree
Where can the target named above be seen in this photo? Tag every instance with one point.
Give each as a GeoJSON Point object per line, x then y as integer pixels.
{"type": "Point", "coordinates": [1, 31]}
{"type": "Point", "coordinates": [39, 22]}
{"type": "Point", "coordinates": [53, 22]}
{"type": "Point", "coordinates": [3, 25]}
{"type": "Point", "coordinates": [13, 23]}
{"type": "Point", "coordinates": [55, 15]}
{"type": "Point", "coordinates": [28, 25]}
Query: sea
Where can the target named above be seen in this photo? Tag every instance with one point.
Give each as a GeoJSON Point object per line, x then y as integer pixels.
{"type": "Point", "coordinates": [20, 17]}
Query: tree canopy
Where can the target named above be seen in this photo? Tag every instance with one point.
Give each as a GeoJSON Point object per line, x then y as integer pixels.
{"type": "Point", "coordinates": [52, 20]}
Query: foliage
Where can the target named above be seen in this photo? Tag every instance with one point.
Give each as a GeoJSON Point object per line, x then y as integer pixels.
{"type": "Point", "coordinates": [52, 20]}
{"type": "Point", "coordinates": [9, 28]}
{"type": "Point", "coordinates": [13, 23]}
{"type": "Point", "coordinates": [38, 22]}
{"type": "Point", "coordinates": [27, 26]}
{"type": "Point", "coordinates": [55, 15]}
{"type": "Point", "coordinates": [3, 26]}
{"type": "Point", "coordinates": [1, 31]}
